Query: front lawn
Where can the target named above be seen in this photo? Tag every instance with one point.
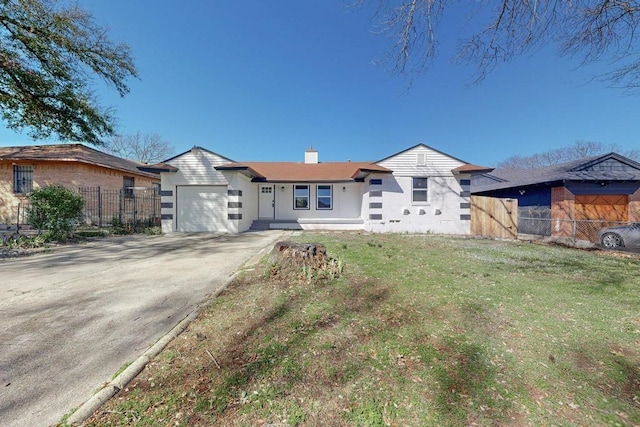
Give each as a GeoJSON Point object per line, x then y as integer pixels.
{"type": "Point", "coordinates": [419, 330]}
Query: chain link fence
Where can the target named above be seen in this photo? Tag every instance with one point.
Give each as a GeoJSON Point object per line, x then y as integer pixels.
{"type": "Point", "coordinates": [539, 223]}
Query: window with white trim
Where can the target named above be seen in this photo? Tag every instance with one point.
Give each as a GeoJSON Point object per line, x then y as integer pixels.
{"type": "Point", "coordinates": [419, 190]}
{"type": "Point", "coordinates": [300, 197]}
{"type": "Point", "coordinates": [324, 195]}
{"type": "Point", "coordinates": [22, 179]}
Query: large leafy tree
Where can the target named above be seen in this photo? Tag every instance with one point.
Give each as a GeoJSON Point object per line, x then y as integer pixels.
{"type": "Point", "coordinates": [497, 31]}
{"type": "Point", "coordinates": [49, 55]}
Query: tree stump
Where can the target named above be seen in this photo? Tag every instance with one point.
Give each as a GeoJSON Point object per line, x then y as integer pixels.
{"type": "Point", "coordinates": [304, 261]}
{"type": "Point", "coordinates": [290, 254]}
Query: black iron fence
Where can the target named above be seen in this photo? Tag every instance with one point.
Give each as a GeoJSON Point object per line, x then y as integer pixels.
{"type": "Point", "coordinates": [131, 207]}
{"type": "Point", "coordinates": [106, 207]}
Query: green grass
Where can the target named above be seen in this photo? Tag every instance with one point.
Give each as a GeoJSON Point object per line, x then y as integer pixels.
{"type": "Point", "coordinates": [419, 330]}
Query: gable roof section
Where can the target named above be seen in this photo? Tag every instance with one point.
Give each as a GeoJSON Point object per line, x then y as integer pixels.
{"type": "Point", "coordinates": [305, 172]}
{"type": "Point", "coordinates": [465, 168]}
{"type": "Point", "coordinates": [421, 145]}
{"type": "Point", "coordinates": [607, 167]}
{"type": "Point", "coordinates": [73, 153]}
{"type": "Point", "coordinates": [195, 148]}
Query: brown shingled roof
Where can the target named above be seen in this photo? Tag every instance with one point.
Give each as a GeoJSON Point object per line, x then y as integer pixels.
{"type": "Point", "coordinates": [307, 172]}
{"type": "Point", "coordinates": [72, 153]}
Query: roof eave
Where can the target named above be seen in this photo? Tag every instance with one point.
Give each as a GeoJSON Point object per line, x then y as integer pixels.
{"type": "Point", "coordinates": [244, 170]}
{"type": "Point", "coordinates": [471, 169]}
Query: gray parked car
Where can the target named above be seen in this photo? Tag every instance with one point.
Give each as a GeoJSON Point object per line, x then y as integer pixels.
{"type": "Point", "coordinates": [621, 236]}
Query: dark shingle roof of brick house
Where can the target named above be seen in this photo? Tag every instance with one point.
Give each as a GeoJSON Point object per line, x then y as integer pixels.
{"type": "Point", "coordinates": [606, 168]}
{"type": "Point", "coordinates": [73, 153]}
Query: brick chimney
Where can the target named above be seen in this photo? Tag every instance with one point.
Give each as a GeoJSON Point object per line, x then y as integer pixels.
{"type": "Point", "coordinates": [311, 155]}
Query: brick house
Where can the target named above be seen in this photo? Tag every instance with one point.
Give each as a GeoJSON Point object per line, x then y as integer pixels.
{"type": "Point", "coordinates": [595, 191]}
{"type": "Point", "coordinates": [75, 166]}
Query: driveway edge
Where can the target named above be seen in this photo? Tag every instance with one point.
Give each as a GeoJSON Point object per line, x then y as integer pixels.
{"type": "Point", "coordinates": [88, 408]}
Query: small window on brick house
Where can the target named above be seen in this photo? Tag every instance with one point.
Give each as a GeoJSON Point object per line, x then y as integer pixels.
{"type": "Point", "coordinates": [128, 183]}
{"type": "Point", "coordinates": [22, 179]}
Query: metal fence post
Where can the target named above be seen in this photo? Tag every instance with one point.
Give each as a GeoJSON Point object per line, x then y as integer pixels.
{"type": "Point", "coordinates": [99, 208]}
{"type": "Point", "coordinates": [121, 206]}
{"type": "Point", "coordinates": [135, 211]}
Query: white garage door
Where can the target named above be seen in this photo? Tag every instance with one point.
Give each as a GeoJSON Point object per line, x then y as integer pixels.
{"type": "Point", "coordinates": [201, 208]}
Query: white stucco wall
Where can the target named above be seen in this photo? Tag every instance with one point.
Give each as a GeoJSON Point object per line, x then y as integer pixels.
{"type": "Point", "coordinates": [440, 214]}
{"type": "Point", "coordinates": [442, 211]}
{"type": "Point", "coordinates": [248, 200]}
{"type": "Point", "coordinates": [346, 203]}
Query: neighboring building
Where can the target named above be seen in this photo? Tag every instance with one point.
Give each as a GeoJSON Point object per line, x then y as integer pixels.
{"type": "Point", "coordinates": [23, 169]}
{"type": "Point", "coordinates": [603, 188]}
{"type": "Point", "coordinates": [418, 190]}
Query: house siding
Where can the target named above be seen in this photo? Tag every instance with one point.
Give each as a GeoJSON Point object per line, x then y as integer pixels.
{"type": "Point", "coordinates": [197, 167]}
{"type": "Point", "coordinates": [562, 209]}
{"type": "Point", "coordinates": [382, 202]}
{"type": "Point", "coordinates": [447, 199]}
{"type": "Point", "coordinates": [634, 206]}
{"type": "Point", "coordinates": [405, 163]}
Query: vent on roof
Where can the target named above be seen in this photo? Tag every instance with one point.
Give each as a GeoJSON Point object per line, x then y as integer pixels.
{"type": "Point", "coordinates": [422, 159]}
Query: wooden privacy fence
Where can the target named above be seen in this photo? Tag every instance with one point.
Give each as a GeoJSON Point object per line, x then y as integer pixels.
{"type": "Point", "coordinates": [493, 217]}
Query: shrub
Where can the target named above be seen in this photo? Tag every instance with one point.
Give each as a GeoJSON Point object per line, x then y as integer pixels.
{"type": "Point", "coordinates": [55, 209]}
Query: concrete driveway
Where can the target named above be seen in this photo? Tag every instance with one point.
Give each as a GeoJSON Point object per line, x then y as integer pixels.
{"type": "Point", "coordinates": [70, 319]}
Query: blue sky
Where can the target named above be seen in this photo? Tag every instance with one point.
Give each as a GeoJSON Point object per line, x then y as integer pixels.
{"type": "Point", "coordinates": [264, 80]}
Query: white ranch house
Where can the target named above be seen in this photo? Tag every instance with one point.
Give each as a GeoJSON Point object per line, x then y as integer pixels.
{"type": "Point", "coordinates": [418, 190]}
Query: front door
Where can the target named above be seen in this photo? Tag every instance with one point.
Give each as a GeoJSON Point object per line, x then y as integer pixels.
{"type": "Point", "coordinates": [266, 202]}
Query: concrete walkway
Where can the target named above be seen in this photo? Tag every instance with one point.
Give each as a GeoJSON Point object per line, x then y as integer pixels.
{"type": "Point", "coordinates": [70, 319]}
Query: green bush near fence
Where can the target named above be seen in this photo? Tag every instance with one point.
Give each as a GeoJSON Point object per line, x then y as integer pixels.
{"type": "Point", "coordinates": [55, 211]}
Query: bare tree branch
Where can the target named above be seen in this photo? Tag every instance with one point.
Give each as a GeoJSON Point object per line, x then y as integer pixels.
{"type": "Point", "coordinates": [590, 30]}
{"type": "Point", "coordinates": [144, 148]}
{"type": "Point", "coordinates": [579, 150]}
